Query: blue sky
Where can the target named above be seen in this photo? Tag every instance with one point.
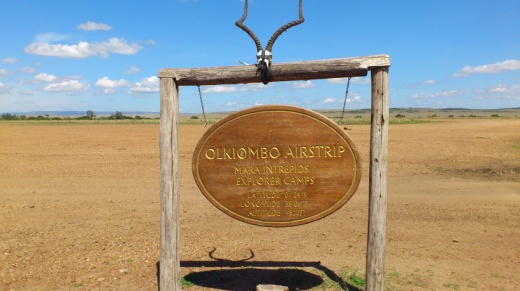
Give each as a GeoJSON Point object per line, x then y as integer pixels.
{"type": "Point", "coordinates": [106, 55]}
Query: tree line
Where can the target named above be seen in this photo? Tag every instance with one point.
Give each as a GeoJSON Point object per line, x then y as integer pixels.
{"type": "Point", "coordinates": [89, 115]}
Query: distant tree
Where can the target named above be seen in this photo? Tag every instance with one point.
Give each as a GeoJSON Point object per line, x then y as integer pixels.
{"type": "Point", "coordinates": [90, 114]}
{"type": "Point", "coordinates": [9, 116]}
{"type": "Point", "coordinates": [119, 115]}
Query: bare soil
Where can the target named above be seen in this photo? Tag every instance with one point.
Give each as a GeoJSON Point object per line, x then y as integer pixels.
{"type": "Point", "coordinates": [79, 209]}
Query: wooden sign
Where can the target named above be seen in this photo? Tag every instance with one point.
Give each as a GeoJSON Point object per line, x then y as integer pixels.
{"type": "Point", "coordinates": [276, 166]}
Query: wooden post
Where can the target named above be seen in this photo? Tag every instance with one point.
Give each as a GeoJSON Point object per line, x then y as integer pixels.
{"type": "Point", "coordinates": [170, 274]}
{"type": "Point", "coordinates": [170, 269]}
{"type": "Point", "coordinates": [378, 180]}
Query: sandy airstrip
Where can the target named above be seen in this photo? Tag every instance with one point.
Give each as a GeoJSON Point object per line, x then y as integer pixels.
{"type": "Point", "coordinates": [79, 208]}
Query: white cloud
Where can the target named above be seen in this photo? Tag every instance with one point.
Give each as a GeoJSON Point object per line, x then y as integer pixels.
{"type": "Point", "coordinates": [84, 49]}
{"type": "Point", "coordinates": [328, 100]}
{"type": "Point", "coordinates": [451, 93]}
{"type": "Point", "coordinates": [303, 84]}
{"type": "Point", "coordinates": [354, 99]}
{"type": "Point", "coordinates": [252, 87]}
{"type": "Point", "coordinates": [337, 81]}
{"type": "Point", "coordinates": [109, 91]}
{"type": "Point", "coordinates": [3, 88]}
{"type": "Point", "coordinates": [105, 82]}
{"type": "Point", "coordinates": [67, 86]}
{"type": "Point", "coordinates": [501, 91]}
{"type": "Point", "coordinates": [428, 82]}
{"type": "Point", "coordinates": [509, 65]}
{"type": "Point", "coordinates": [4, 72]}
{"type": "Point", "coordinates": [73, 77]}
{"type": "Point", "coordinates": [92, 26]}
{"type": "Point", "coordinates": [223, 89]}
{"type": "Point", "coordinates": [219, 89]}
{"type": "Point", "coordinates": [25, 92]}
{"type": "Point", "coordinates": [232, 103]}
{"type": "Point", "coordinates": [147, 85]}
{"type": "Point", "coordinates": [28, 70]}
{"type": "Point", "coordinates": [81, 50]}
{"type": "Point", "coordinates": [351, 99]}
{"type": "Point", "coordinates": [44, 77]}
{"type": "Point", "coordinates": [9, 60]}
{"type": "Point", "coordinates": [133, 70]}
{"type": "Point", "coordinates": [116, 45]}
{"type": "Point", "coordinates": [353, 80]}
{"type": "Point", "coordinates": [51, 37]}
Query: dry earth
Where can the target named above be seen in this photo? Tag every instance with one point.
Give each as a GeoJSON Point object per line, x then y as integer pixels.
{"type": "Point", "coordinates": [79, 209]}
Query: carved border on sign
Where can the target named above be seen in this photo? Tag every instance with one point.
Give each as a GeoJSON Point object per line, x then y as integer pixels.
{"type": "Point", "coordinates": [288, 112]}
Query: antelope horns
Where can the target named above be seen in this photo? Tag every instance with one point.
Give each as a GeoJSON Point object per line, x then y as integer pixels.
{"type": "Point", "coordinates": [240, 24]}
{"type": "Point", "coordinates": [270, 44]}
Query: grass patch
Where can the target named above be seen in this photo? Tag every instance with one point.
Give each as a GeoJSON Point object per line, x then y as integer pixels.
{"type": "Point", "coordinates": [516, 144]}
{"type": "Point", "coordinates": [366, 121]}
{"type": "Point", "coordinates": [410, 121]}
{"type": "Point", "coordinates": [472, 285]}
{"type": "Point", "coordinates": [351, 277]}
{"type": "Point", "coordinates": [393, 281]}
{"type": "Point", "coordinates": [356, 280]}
{"type": "Point", "coordinates": [495, 275]}
{"type": "Point", "coordinates": [196, 121]}
{"type": "Point", "coordinates": [185, 283]}
{"type": "Point", "coordinates": [454, 286]}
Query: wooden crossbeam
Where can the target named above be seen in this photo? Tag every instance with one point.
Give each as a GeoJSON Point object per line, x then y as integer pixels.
{"type": "Point", "coordinates": [304, 70]}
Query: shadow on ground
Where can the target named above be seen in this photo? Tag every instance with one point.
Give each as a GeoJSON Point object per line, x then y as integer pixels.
{"type": "Point", "coordinates": [245, 275]}
{"type": "Point", "coordinates": [249, 278]}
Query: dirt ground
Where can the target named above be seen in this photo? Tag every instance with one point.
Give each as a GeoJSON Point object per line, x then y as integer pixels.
{"type": "Point", "coordinates": [79, 209]}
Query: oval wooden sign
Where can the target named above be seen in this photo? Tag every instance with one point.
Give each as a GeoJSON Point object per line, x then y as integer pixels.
{"type": "Point", "coordinates": [276, 166]}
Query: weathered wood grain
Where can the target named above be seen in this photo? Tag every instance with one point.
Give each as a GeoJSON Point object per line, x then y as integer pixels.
{"type": "Point", "coordinates": [304, 70]}
{"type": "Point", "coordinates": [170, 275]}
{"type": "Point", "coordinates": [378, 180]}
{"type": "Point", "coordinates": [255, 167]}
